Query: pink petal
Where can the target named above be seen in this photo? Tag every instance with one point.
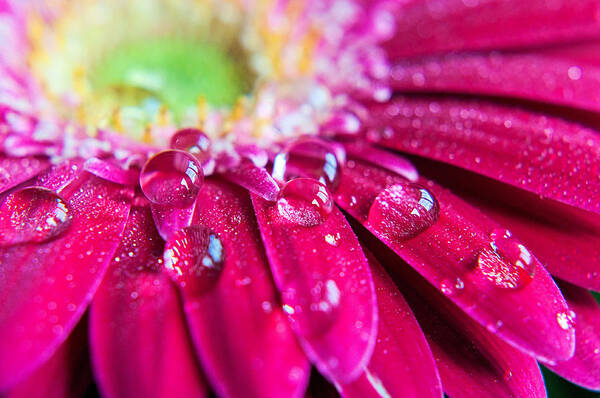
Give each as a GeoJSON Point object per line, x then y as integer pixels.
{"type": "Point", "coordinates": [140, 346]}
{"type": "Point", "coordinates": [66, 374]}
{"type": "Point", "coordinates": [549, 157]}
{"type": "Point", "coordinates": [14, 171]}
{"type": "Point", "coordinates": [541, 224]}
{"type": "Point", "coordinates": [472, 361]}
{"type": "Point", "coordinates": [46, 287]}
{"type": "Point", "coordinates": [382, 158]}
{"type": "Point", "coordinates": [424, 27]}
{"type": "Point", "coordinates": [555, 77]}
{"type": "Point", "coordinates": [170, 219]}
{"type": "Point", "coordinates": [111, 172]}
{"type": "Point", "coordinates": [584, 367]}
{"type": "Point", "coordinates": [326, 289]}
{"type": "Point", "coordinates": [448, 254]}
{"type": "Point", "coordinates": [402, 364]}
{"type": "Point", "coordinates": [240, 332]}
{"type": "Point", "coordinates": [255, 179]}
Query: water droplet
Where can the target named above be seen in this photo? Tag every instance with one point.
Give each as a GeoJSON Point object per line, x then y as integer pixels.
{"type": "Point", "coordinates": [566, 320]}
{"type": "Point", "coordinates": [33, 214]}
{"type": "Point", "coordinates": [451, 287]}
{"type": "Point", "coordinates": [508, 264]}
{"type": "Point", "coordinates": [193, 258]}
{"type": "Point", "coordinates": [171, 177]}
{"type": "Point", "coordinates": [305, 202]}
{"type": "Point", "coordinates": [403, 211]}
{"type": "Point", "coordinates": [315, 313]}
{"type": "Point", "coordinates": [310, 157]}
{"type": "Point", "coordinates": [193, 141]}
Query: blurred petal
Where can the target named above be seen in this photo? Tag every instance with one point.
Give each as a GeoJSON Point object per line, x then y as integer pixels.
{"type": "Point", "coordinates": [241, 334]}
{"type": "Point", "coordinates": [46, 287]}
{"type": "Point", "coordinates": [448, 253]}
{"type": "Point", "coordinates": [66, 374]}
{"type": "Point", "coordinates": [140, 345]}
{"type": "Point", "coordinates": [549, 157]}
{"type": "Point", "coordinates": [584, 367]}
{"type": "Point", "coordinates": [402, 364]}
{"type": "Point", "coordinates": [326, 289]}
{"type": "Point", "coordinates": [425, 27]}
{"type": "Point", "coordinates": [554, 77]}
{"type": "Point", "coordinates": [14, 171]}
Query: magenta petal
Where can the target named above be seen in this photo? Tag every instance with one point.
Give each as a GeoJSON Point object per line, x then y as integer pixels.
{"type": "Point", "coordinates": [446, 254]}
{"type": "Point", "coordinates": [402, 364]}
{"type": "Point", "coordinates": [472, 361]}
{"type": "Point", "coordinates": [424, 27]}
{"type": "Point", "coordinates": [66, 374]}
{"type": "Point", "coordinates": [241, 334]}
{"type": "Point", "coordinates": [140, 346]}
{"type": "Point", "coordinates": [14, 171]}
{"type": "Point", "coordinates": [170, 219]}
{"type": "Point", "coordinates": [111, 172]}
{"type": "Point", "coordinates": [255, 179]}
{"type": "Point", "coordinates": [554, 77]}
{"type": "Point", "coordinates": [546, 156]}
{"type": "Point", "coordinates": [575, 259]}
{"type": "Point", "coordinates": [382, 158]}
{"type": "Point", "coordinates": [584, 367]}
{"type": "Point", "coordinates": [46, 287]}
{"type": "Point", "coordinates": [326, 288]}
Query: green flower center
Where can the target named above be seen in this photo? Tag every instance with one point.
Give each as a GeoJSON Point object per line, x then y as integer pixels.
{"type": "Point", "coordinates": [176, 72]}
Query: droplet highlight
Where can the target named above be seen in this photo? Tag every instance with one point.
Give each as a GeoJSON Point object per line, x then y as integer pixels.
{"type": "Point", "coordinates": [310, 157]}
{"type": "Point", "coordinates": [193, 141]}
{"type": "Point", "coordinates": [305, 202]}
{"type": "Point", "coordinates": [33, 214]}
{"type": "Point", "coordinates": [171, 177]}
{"type": "Point", "coordinates": [193, 258]}
{"type": "Point", "coordinates": [403, 211]}
{"type": "Point", "coordinates": [507, 263]}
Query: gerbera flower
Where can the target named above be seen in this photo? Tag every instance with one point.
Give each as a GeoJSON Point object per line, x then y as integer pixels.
{"type": "Point", "coordinates": [212, 196]}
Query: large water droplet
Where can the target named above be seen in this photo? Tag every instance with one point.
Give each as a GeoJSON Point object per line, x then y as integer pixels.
{"type": "Point", "coordinates": [33, 214]}
{"type": "Point", "coordinates": [313, 314]}
{"type": "Point", "coordinates": [305, 202]}
{"type": "Point", "coordinates": [508, 264]}
{"type": "Point", "coordinates": [310, 157]}
{"type": "Point", "coordinates": [171, 177]}
{"type": "Point", "coordinates": [193, 258]}
{"type": "Point", "coordinates": [403, 211]}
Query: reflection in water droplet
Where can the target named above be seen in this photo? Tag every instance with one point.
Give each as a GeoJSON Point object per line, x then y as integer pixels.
{"type": "Point", "coordinates": [305, 202]}
{"type": "Point", "coordinates": [193, 258]}
{"type": "Point", "coordinates": [313, 314]}
{"type": "Point", "coordinates": [403, 211]}
{"type": "Point", "coordinates": [310, 157]}
{"type": "Point", "coordinates": [197, 143]}
{"type": "Point", "coordinates": [171, 177]}
{"type": "Point", "coordinates": [508, 264]}
{"type": "Point", "coordinates": [33, 214]}
{"type": "Point", "coordinates": [451, 287]}
{"type": "Point", "coordinates": [566, 320]}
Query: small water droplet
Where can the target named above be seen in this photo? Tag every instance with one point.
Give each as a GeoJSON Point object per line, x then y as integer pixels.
{"type": "Point", "coordinates": [333, 240]}
{"type": "Point", "coordinates": [403, 211]}
{"type": "Point", "coordinates": [508, 263]}
{"type": "Point", "coordinates": [305, 202]}
{"type": "Point", "coordinates": [310, 157]}
{"type": "Point", "coordinates": [450, 287]}
{"type": "Point", "coordinates": [314, 316]}
{"type": "Point", "coordinates": [191, 140]}
{"type": "Point", "coordinates": [193, 258]}
{"type": "Point", "coordinates": [566, 320]}
{"type": "Point", "coordinates": [33, 214]}
{"type": "Point", "coordinates": [171, 177]}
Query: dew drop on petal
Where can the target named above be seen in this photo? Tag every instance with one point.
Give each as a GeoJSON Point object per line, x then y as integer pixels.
{"type": "Point", "coordinates": [194, 258]}
{"type": "Point", "coordinates": [403, 211]}
{"type": "Point", "coordinates": [33, 214]}
{"type": "Point", "coordinates": [305, 202]}
{"type": "Point", "coordinates": [193, 141]}
{"type": "Point", "coordinates": [566, 320]}
{"type": "Point", "coordinates": [171, 177]}
{"type": "Point", "coordinates": [314, 313]}
{"type": "Point", "coordinates": [507, 263]}
{"type": "Point", "coordinates": [310, 157]}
